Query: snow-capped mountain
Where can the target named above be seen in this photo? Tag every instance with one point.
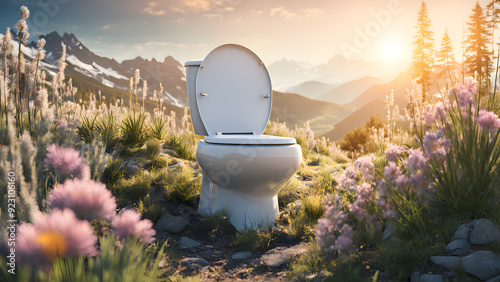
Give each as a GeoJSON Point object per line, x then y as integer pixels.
{"type": "Point", "coordinates": [113, 74]}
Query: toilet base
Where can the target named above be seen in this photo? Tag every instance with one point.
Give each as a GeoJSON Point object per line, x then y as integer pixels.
{"type": "Point", "coordinates": [245, 210]}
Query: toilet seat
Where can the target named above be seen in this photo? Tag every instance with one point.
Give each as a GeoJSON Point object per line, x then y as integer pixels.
{"type": "Point", "coordinates": [233, 93]}
{"type": "Point", "coordinates": [240, 139]}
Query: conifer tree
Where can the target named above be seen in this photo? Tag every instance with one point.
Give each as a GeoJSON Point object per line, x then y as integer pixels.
{"type": "Point", "coordinates": [445, 57]}
{"type": "Point", "coordinates": [478, 58]}
{"type": "Point", "coordinates": [423, 48]}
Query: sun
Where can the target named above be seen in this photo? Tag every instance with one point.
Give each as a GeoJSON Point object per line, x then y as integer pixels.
{"type": "Point", "coordinates": [392, 50]}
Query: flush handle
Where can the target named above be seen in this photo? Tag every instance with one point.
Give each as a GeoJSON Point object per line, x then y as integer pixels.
{"type": "Point", "coordinates": [203, 94]}
{"type": "Point", "coordinates": [266, 96]}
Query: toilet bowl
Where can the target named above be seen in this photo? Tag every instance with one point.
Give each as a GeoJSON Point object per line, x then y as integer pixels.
{"type": "Point", "coordinates": [230, 99]}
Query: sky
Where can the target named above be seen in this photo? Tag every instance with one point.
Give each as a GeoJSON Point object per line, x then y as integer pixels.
{"type": "Point", "coordinates": [311, 31]}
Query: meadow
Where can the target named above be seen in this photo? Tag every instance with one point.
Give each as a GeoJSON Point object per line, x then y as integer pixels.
{"type": "Point", "coordinates": [87, 183]}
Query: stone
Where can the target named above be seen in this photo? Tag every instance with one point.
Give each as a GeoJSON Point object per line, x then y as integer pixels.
{"type": "Point", "coordinates": [457, 247]}
{"type": "Point", "coordinates": [389, 230]}
{"type": "Point", "coordinates": [170, 223]}
{"type": "Point", "coordinates": [484, 232]}
{"type": "Point", "coordinates": [275, 258]}
{"type": "Point", "coordinates": [472, 223]}
{"type": "Point", "coordinates": [462, 233]}
{"type": "Point", "coordinates": [188, 243]}
{"type": "Point", "coordinates": [415, 276]}
{"type": "Point", "coordinates": [494, 279]}
{"type": "Point", "coordinates": [242, 255]}
{"type": "Point", "coordinates": [448, 262]}
{"type": "Point", "coordinates": [132, 167]}
{"type": "Point", "coordinates": [199, 261]}
{"type": "Point", "coordinates": [482, 264]}
{"type": "Point", "coordinates": [431, 278]}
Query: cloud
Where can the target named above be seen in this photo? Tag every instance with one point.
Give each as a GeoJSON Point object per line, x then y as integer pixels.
{"type": "Point", "coordinates": [282, 12]}
{"type": "Point", "coordinates": [152, 10]}
{"type": "Point", "coordinates": [312, 12]}
{"type": "Point", "coordinates": [108, 27]}
{"type": "Point", "coordinates": [179, 20]}
{"type": "Point", "coordinates": [166, 43]}
{"type": "Point", "coordinates": [198, 5]}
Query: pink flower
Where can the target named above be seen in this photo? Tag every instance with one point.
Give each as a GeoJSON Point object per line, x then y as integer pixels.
{"type": "Point", "coordinates": [87, 198]}
{"type": "Point", "coordinates": [344, 240]}
{"type": "Point", "coordinates": [366, 167]}
{"type": "Point", "coordinates": [392, 172]}
{"type": "Point", "coordinates": [364, 195]}
{"type": "Point", "coordinates": [66, 161]}
{"type": "Point", "coordinates": [55, 235]}
{"type": "Point", "coordinates": [416, 161]}
{"type": "Point", "coordinates": [465, 93]}
{"type": "Point", "coordinates": [434, 113]}
{"type": "Point", "coordinates": [488, 121]}
{"type": "Point", "coordinates": [128, 223]}
{"type": "Point", "coordinates": [348, 180]}
{"type": "Point", "coordinates": [436, 145]}
{"type": "Point", "coordinates": [392, 153]}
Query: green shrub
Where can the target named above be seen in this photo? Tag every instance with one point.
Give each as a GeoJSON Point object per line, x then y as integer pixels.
{"type": "Point", "coordinates": [216, 224]}
{"type": "Point", "coordinates": [113, 172]}
{"type": "Point", "coordinates": [132, 190]}
{"type": "Point", "coordinates": [157, 129]}
{"type": "Point", "coordinates": [184, 146]}
{"type": "Point", "coordinates": [149, 210]}
{"type": "Point", "coordinates": [289, 193]}
{"type": "Point", "coordinates": [355, 139]}
{"type": "Point", "coordinates": [108, 130]}
{"type": "Point", "coordinates": [181, 185]}
{"type": "Point", "coordinates": [133, 130]}
{"type": "Point", "coordinates": [158, 162]}
{"type": "Point", "coordinates": [153, 148]}
{"type": "Point", "coordinates": [256, 238]}
{"type": "Point", "coordinates": [313, 206]}
{"type": "Point", "coordinates": [88, 129]}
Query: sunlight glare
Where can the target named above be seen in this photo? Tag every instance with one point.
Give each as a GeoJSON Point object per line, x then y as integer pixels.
{"type": "Point", "coordinates": [392, 50]}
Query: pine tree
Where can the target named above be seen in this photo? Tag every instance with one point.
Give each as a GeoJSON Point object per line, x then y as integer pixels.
{"type": "Point", "coordinates": [478, 55]}
{"type": "Point", "coordinates": [423, 48]}
{"type": "Point", "coordinates": [445, 57]}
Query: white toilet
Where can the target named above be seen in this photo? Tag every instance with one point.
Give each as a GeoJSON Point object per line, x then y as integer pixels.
{"type": "Point", "coordinates": [230, 97]}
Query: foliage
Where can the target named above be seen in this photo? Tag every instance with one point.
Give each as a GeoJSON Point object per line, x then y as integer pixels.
{"type": "Point", "coordinates": [132, 190]}
{"type": "Point", "coordinates": [216, 224]}
{"type": "Point", "coordinates": [180, 185]}
{"type": "Point", "coordinates": [355, 139]}
{"type": "Point", "coordinates": [423, 51]}
{"type": "Point", "coordinates": [153, 148]}
{"type": "Point", "coordinates": [113, 172]}
{"type": "Point", "coordinates": [183, 145]}
{"type": "Point", "coordinates": [108, 130]}
{"type": "Point", "coordinates": [88, 129]}
{"type": "Point", "coordinates": [149, 209]}
{"type": "Point", "coordinates": [256, 238]}
{"type": "Point", "coordinates": [157, 129]}
{"type": "Point", "coordinates": [134, 130]}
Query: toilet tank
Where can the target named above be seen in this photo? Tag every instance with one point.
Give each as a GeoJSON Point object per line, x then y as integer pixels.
{"type": "Point", "coordinates": [192, 68]}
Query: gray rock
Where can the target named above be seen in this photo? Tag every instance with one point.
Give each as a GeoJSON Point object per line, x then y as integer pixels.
{"type": "Point", "coordinates": [462, 233]}
{"type": "Point", "coordinates": [457, 247]}
{"type": "Point", "coordinates": [494, 279]}
{"type": "Point", "coordinates": [188, 243]}
{"type": "Point", "coordinates": [472, 223]}
{"type": "Point", "coordinates": [484, 232]}
{"type": "Point", "coordinates": [132, 167]}
{"type": "Point", "coordinates": [415, 277]}
{"type": "Point", "coordinates": [276, 258]}
{"type": "Point", "coordinates": [389, 230]}
{"type": "Point", "coordinates": [448, 262]}
{"type": "Point", "coordinates": [170, 223]}
{"type": "Point", "coordinates": [199, 261]}
{"type": "Point", "coordinates": [242, 255]}
{"type": "Point", "coordinates": [482, 264]}
{"type": "Point", "coordinates": [431, 278]}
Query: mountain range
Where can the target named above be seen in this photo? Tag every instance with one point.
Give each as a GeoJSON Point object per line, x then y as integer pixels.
{"type": "Point", "coordinates": [91, 72]}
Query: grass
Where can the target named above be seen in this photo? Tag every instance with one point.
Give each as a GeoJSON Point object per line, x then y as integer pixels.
{"type": "Point", "coordinates": [133, 190]}
{"type": "Point", "coordinates": [149, 210]}
{"type": "Point", "coordinates": [113, 172]}
{"type": "Point", "coordinates": [184, 146]}
{"type": "Point", "coordinates": [289, 193]}
{"type": "Point", "coordinates": [108, 130]}
{"type": "Point", "coordinates": [152, 148]}
{"type": "Point", "coordinates": [256, 238]}
{"type": "Point", "coordinates": [158, 162]}
{"type": "Point", "coordinates": [180, 185]}
{"type": "Point", "coordinates": [216, 225]}
{"type": "Point", "coordinates": [134, 130]}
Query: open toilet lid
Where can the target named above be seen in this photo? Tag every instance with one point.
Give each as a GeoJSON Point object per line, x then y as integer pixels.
{"type": "Point", "coordinates": [238, 91]}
